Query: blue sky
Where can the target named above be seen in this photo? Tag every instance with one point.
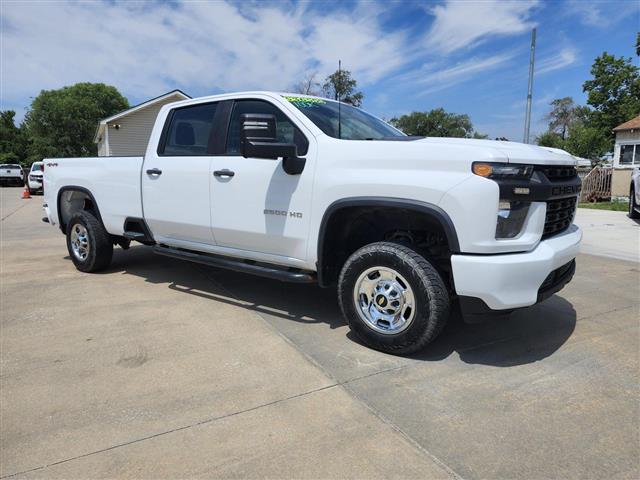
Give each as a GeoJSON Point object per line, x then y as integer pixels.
{"type": "Point", "coordinates": [465, 56]}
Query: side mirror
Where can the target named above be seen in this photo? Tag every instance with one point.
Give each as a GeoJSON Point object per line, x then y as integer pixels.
{"type": "Point", "coordinates": [258, 139]}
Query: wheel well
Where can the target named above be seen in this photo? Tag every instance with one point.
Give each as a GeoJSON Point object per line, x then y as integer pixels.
{"type": "Point", "coordinates": [72, 200]}
{"type": "Point", "coordinates": [349, 228]}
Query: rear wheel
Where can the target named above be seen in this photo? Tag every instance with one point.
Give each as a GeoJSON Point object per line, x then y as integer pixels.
{"type": "Point", "coordinates": [633, 206]}
{"type": "Point", "coordinates": [88, 243]}
{"type": "Point", "coordinates": [393, 298]}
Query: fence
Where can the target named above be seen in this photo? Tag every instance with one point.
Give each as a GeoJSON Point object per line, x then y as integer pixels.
{"type": "Point", "coordinates": [596, 185]}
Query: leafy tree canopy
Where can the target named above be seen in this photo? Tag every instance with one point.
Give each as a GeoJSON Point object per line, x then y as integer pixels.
{"type": "Point", "coordinates": [436, 123]}
{"type": "Point", "coordinates": [550, 139]}
{"type": "Point", "coordinates": [63, 122]}
{"type": "Point", "coordinates": [340, 85]}
{"type": "Point", "coordinates": [13, 144]}
{"type": "Point", "coordinates": [613, 92]}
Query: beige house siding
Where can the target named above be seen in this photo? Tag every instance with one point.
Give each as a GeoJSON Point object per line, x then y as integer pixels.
{"type": "Point", "coordinates": [129, 134]}
{"type": "Point", "coordinates": [620, 182]}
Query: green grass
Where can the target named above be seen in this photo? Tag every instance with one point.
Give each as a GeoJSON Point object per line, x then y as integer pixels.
{"type": "Point", "coordinates": [617, 206]}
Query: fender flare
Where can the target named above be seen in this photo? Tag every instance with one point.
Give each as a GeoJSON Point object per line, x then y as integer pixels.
{"type": "Point", "coordinates": [433, 211]}
{"type": "Point", "coordinates": [76, 188]}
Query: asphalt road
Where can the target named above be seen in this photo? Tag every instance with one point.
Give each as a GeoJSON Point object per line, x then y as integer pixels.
{"type": "Point", "coordinates": [161, 369]}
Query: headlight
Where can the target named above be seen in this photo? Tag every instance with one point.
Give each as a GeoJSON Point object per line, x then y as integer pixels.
{"type": "Point", "coordinates": [502, 170]}
{"type": "Point", "coordinates": [511, 217]}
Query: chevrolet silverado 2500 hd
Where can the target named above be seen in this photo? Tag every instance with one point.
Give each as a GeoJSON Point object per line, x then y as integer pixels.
{"type": "Point", "coordinates": [304, 189]}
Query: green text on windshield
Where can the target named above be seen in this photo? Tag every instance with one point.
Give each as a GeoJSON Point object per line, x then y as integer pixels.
{"type": "Point", "coordinates": [350, 123]}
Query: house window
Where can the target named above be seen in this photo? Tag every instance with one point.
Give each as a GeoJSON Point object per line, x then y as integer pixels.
{"type": "Point", "coordinates": [629, 155]}
{"type": "Point", "coordinates": [626, 154]}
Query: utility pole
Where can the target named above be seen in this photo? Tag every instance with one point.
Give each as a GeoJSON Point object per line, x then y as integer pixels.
{"type": "Point", "coordinates": [527, 120]}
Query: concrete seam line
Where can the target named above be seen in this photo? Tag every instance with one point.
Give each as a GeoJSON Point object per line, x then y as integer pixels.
{"type": "Point", "coordinates": [9, 214]}
{"type": "Point", "coordinates": [447, 469]}
{"type": "Point", "coordinates": [349, 390]}
{"type": "Point", "coordinates": [173, 430]}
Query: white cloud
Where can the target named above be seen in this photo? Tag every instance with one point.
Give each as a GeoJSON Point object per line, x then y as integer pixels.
{"type": "Point", "coordinates": [145, 49]}
{"type": "Point", "coordinates": [601, 13]}
{"type": "Point", "coordinates": [461, 24]}
{"type": "Point", "coordinates": [564, 58]}
{"type": "Point", "coordinates": [431, 79]}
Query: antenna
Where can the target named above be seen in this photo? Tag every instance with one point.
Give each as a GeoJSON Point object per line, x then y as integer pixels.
{"type": "Point", "coordinates": [338, 98]}
{"type": "Point", "coordinates": [527, 119]}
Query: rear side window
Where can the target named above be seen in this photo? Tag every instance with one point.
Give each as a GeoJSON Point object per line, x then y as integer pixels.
{"type": "Point", "coordinates": [189, 130]}
{"type": "Point", "coordinates": [286, 131]}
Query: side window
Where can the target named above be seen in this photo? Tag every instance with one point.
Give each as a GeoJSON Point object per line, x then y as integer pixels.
{"type": "Point", "coordinates": [189, 130]}
{"type": "Point", "coordinates": [286, 131]}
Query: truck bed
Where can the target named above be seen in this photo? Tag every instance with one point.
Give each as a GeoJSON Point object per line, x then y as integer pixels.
{"type": "Point", "coordinates": [114, 182]}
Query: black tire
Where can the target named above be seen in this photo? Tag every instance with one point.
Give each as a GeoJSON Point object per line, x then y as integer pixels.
{"type": "Point", "coordinates": [430, 293]}
{"type": "Point", "coordinates": [633, 206]}
{"type": "Point", "coordinates": [100, 246]}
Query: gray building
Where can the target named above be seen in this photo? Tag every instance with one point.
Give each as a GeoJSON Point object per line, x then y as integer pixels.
{"type": "Point", "coordinates": [127, 133]}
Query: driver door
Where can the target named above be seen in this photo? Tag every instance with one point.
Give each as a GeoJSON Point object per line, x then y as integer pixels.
{"type": "Point", "coordinates": [255, 205]}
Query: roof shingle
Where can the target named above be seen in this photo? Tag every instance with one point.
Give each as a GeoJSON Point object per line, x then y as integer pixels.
{"type": "Point", "coordinates": [632, 124]}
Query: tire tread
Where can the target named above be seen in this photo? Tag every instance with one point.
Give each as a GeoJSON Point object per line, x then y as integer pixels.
{"type": "Point", "coordinates": [438, 295]}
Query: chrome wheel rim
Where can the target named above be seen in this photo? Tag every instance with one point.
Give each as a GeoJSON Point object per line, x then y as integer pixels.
{"type": "Point", "coordinates": [384, 300]}
{"type": "Point", "coordinates": [80, 242]}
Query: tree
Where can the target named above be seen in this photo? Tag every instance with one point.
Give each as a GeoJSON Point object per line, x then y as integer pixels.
{"type": "Point", "coordinates": [586, 141]}
{"type": "Point", "coordinates": [561, 115]}
{"type": "Point", "coordinates": [309, 85]}
{"type": "Point", "coordinates": [62, 123]}
{"type": "Point", "coordinates": [613, 92]}
{"type": "Point", "coordinates": [13, 145]}
{"type": "Point", "coordinates": [340, 85]}
{"type": "Point", "coordinates": [436, 123]}
{"type": "Point", "coordinates": [550, 139]}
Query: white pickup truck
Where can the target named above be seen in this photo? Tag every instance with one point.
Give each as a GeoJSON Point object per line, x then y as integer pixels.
{"type": "Point", "coordinates": [304, 189]}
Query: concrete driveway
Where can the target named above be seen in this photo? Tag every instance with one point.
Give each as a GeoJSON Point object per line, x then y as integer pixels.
{"type": "Point", "coordinates": [163, 369]}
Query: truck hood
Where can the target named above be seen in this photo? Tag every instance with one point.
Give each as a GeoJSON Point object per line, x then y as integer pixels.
{"type": "Point", "coordinates": [514, 151]}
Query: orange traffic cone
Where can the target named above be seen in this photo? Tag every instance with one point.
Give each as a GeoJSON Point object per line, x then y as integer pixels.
{"type": "Point", "coordinates": [26, 193]}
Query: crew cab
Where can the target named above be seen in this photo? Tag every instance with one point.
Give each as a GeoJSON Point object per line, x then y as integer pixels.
{"type": "Point", "coordinates": [11, 174]}
{"type": "Point", "coordinates": [305, 189]}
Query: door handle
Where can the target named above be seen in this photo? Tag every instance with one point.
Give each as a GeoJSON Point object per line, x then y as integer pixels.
{"type": "Point", "coordinates": [224, 173]}
{"type": "Point", "coordinates": [154, 171]}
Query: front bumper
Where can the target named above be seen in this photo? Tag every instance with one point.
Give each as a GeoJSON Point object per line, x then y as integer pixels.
{"type": "Point", "coordinates": [515, 280]}
{"type": "Point", "coordinates": [35, 184]}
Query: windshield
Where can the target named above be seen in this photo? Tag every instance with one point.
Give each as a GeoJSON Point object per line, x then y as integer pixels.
{"type": "Point", "coordinates": [36, 167]}
{"type": "Point", "coordinates": [13, 167]}
{"type": "Point", "coordinates": [354, 124]}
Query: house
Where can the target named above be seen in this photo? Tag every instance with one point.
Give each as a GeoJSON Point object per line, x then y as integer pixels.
{"type": "Point", "coordinates": [127, 133]}
{"type": "Point", "coordinates": [626, 156]}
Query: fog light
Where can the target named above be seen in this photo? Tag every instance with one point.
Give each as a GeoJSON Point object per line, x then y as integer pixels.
{"type": "Point", "coordinates": [511, 217]}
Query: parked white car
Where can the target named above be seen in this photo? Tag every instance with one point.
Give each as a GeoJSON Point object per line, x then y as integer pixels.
{"type": "Point", "coordinates": [35, 180]}
{"type": "Point", "coordinates": [11, 174]}
{"type": "Point", "coordinates": [302, 189]}
{"type": "Point", "coordinates": [634, 194]}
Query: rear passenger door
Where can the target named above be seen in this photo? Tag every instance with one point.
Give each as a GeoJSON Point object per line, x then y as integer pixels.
{"type": "Point", "coordinates": [175, 178]}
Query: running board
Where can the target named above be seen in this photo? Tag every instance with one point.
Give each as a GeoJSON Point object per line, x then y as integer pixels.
{"type": "Point", "coordinates": [244, 266]}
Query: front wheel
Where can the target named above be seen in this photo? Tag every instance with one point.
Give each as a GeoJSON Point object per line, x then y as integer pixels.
{"type": "Point", "coordinates": [393, 298]}
{"type": "Point", "coordinates": [88, 243]}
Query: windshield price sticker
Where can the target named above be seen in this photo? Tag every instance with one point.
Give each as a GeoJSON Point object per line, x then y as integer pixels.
{"type": "Point", "coordinates": [305, 102]}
